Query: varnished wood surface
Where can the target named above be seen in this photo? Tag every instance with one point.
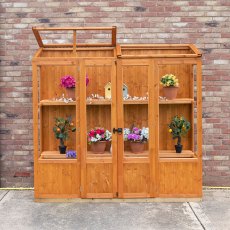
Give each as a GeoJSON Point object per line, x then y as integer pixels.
{"type": "Point", "coordinates": [159, 171]}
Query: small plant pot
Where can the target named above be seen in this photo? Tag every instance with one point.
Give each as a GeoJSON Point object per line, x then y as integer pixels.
{"type": "Point", "coordinates": [62, 149]}
{"type": "Point", "coordinates": [137, 147]}
{"type": "Point", "coordinates": [98, 147]}
{"type": "Point", "coordinates": [178, 148]}
{"type": "Point", "coordinates": [170, 92]}
{"type": "Point", "coordinates": [70, 92]}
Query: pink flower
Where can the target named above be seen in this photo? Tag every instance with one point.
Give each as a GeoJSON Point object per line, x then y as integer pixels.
{"type": "Point", "coordinates": [68, 81]}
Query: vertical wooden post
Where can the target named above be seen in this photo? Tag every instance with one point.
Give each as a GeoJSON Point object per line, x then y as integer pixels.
{"type": "Point", "coordinates": [120, 123]}
{"type": "Point", "coordinates": [153, 111]}
{"type": "Point", "coordinates": [35, 127]}
{"type": "Point", "coordinates": [83, 127]}
{"type": "Point", "coordinates": [199, 121]}
{"type": "Point", "coordinates": [114, 125]}
{"type": "Point", "coordinates": [114, 36]}
{"type": "Point", "coordinates": [74, 42]}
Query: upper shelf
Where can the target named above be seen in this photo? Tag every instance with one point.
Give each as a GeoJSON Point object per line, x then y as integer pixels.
{"type": "Point", "coordinates": [125, 102]}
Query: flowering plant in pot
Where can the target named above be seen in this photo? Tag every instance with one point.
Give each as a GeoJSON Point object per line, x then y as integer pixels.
{"type": "Point", "coordinates": [137, 137]}
{"type": "Point", "coordinates": [170, 86]}
{"type": "Point", "coordinates": [97, 138]}
{"type": "Point", "coordinates": [179, 127]}
{"type": "Point", "coordinates": [61, 130]}
{"type": "Point", "coordinates": [69, 83]}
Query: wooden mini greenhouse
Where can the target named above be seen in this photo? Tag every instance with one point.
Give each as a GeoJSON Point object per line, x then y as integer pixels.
{"type": "Point", "coordinates": [118, 172]}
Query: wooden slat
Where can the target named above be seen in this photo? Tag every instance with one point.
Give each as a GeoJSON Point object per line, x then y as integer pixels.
{"type": "Point", "coordinates": [78, 44]}
{"type": "Point", "coordinates": [52, 155]}
{"type": "Point", "coordinates": [178, 159]}
{"type": "Point", "coordinates": [195, 50]}
{"type": "Point", "coordinates": [153, 114]}
{"type": "Point", "coordinates": [35, 127]}
{"type": "Point", "coordinates": [71, 28]}
{"type": "Point", "coordinates": [173, 154]}
{"type": "Point", "coordinates": [114, 125]}
{"type": "Point", "coordinates": [120, 124]}
{"type": "Point", "coordinates": [55, 161]}
{"type": "Point", "coordinates": [114, 36]}
{"type": "Point", "coordinates": [38, 37]}
{"type": "Point", "coordinates": [177, 101]}
{"type": "Point", "coordinates": [83, 128]}
{"type": "Point", "coordinates": [137, 160]}
{"type": "Point", "coordinates": [53, 103]}
{"type": "Point", "coordinates": [97, 160]}
{"type": "Point", "coordinates": [74, 42]}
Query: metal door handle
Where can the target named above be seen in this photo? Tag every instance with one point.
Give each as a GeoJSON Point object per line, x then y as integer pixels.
{"type": "Point", "coordinates": [118, 130]}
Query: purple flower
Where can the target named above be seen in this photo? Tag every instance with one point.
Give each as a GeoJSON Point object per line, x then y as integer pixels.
{"type": "Point", "coordinates": [68, 81]}
{"type": "Point", "coordinates": [71, 154]}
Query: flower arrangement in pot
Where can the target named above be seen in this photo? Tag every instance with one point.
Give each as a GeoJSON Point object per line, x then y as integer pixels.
{"type": "Point", "coordinates": [69, 83]}
{"type": "Point", "coordinates": [137, 137]}
{"type": "Point", "coordinates": [98, 138]}
{"type": "Point", "coordinates": [170, 86]}
{"type": "Point", "coordinates": [179, 127]}
{"type": "Point", "coordinates": [61, 130]}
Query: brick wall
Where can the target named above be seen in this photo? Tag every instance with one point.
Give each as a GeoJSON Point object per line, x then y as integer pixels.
{"type": "Point", "coordinates": [204, 23]}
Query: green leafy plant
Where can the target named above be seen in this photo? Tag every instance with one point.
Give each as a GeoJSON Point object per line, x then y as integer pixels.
{"type": "Point", "coordinates": [62, 128]}
{"type": "Point", "coordinates": [179, 127]}
{"type": "Point", "coordinates": [169, 80]}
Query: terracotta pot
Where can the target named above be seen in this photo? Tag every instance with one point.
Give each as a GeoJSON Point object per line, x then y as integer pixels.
{"type": "Point", "coordinates": [62, 149]}
{"type": "Point", "coordinates": [137, 147]}
{"type": "Point", "coordinates": [70, 92]}
{"type": "Point", "coordinates": [178, 148]}
{"type": "Point", "coordinates": [98, 147]}
{"type": "Point", "coordinates": [170, 92]}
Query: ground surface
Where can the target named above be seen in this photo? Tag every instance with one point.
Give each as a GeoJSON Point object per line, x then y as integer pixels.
{"type": "Point", "coordinates": [19, 211]}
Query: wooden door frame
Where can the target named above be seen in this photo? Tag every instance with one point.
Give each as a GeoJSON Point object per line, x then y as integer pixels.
{"type": "Point", "coordinates": [152, 118]}
{"type": "Point", "coordinates": [83, 125]}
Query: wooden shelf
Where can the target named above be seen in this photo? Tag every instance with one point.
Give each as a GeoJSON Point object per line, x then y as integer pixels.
{"type": "Point", "coordinates": [98, 102]}
{"type": "Point", "coordinates": [53, 155]}
{"type": "Point", "coordinates": [177, 101]}
{"type": "Point", "coordinates": [173, 154]}
{"type": "Point", "coordinates": [51, 103]}
{"type": "Point", "coordinates": [125, 102]}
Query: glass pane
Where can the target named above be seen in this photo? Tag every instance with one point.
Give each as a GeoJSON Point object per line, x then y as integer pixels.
{"type": "Point", "coordinates": [98, 93]}
{"type": "Point", "coordinates": [58, 127]}
{"type": "Point", "coordinates": [135, 107]}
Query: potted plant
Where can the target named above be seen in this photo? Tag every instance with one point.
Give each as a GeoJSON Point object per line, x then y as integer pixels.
{"type": "Point", "coordinates": [170, 86]}
{"type": "Point", "coordinates": [137, 138]}
{"type": "Point", "coordinates": [61, 129]}
{"type": "Point", "coordinates": [97, 138]}
{"type": "Point", "coordinates": [69, 83]}
{"type": "Point", "coordinates": [179, 127]}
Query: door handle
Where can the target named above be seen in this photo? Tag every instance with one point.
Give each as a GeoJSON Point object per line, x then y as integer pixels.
{"type": "Point", "coordinates": [118, 130]}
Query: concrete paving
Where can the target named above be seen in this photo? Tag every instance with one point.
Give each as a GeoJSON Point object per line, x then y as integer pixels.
{"type": "Point", "coordinates": [19, 211]}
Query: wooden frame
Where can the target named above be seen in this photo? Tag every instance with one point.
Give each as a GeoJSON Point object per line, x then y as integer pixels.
{"type": "Point", "coordinates": [159, 171]}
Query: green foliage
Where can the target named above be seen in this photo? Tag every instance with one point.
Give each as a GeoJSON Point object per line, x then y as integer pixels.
{"type": "Point", "coordinates": [169, 80]}
{"type": "Point", "coordinates": [62, 128]}
{"type": "Point", "coordinates": [178, 127]}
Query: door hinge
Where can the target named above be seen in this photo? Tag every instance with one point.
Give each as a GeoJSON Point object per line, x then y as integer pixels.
{"type": "Point", "coordinates": [115, 62]}
{"type": "Point", "coordinates": [117, 194]}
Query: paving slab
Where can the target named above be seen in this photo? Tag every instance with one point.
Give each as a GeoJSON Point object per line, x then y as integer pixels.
{"type": "Point", "coordinates": [19, 211]}
{"type": "Point", "coordinates": [216, 206]}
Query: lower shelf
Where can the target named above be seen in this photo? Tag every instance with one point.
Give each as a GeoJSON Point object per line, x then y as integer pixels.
{"type": "Point", "coordinates": [173, 154]}
{"type": "Point", "coordinates": [55, 157]}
